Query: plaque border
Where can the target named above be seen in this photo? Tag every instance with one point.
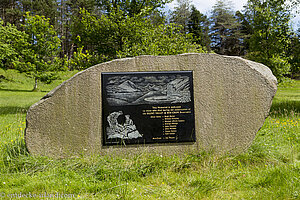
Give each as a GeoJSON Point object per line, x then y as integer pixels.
{"type": "Point", "coordinates": [130, 73]}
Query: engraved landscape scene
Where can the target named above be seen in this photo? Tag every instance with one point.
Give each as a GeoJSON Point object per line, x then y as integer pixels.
{"type": "Point", "coordinates": [148, 89]}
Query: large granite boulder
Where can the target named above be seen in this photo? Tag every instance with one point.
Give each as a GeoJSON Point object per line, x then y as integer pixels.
{"type": "Point", "coordinates": [231, 96]}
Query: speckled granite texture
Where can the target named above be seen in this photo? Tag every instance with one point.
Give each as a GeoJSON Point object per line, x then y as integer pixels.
{"type": "Point", "coordinates": [232, 98]}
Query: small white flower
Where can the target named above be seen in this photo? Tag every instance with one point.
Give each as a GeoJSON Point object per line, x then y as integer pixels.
{"type": "Point", "coordinates": [4, 183]}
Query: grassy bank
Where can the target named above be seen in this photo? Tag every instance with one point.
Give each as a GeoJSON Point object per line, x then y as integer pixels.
{"type": "Point", "coordinates": [270, 169]}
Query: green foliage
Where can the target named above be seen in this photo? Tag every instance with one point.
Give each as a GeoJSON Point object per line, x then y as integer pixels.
{"type": "Point", "coordinates": [80, 60]}
{"type": "Point", "coordinates": [225, 29]}
{"type": "Point", "coordinates": [131, 7]}
{"type": "Point", "coordinates": [198, 25]}
{"type": "Point", "coordinates": [83, 59]}
{"type": "Point", "coordinates": [47, 8]}
{"type": "Point", "coordinates": [191, 22]}
{"type": "Point", "coordinates": [294, 53]}
{"type": "Point", "coordinates": [110, 29]}
{"type": "Point", "coordinates": [270, 38]}
{"type": "Point", "coordinates": [117, 35]}
{"type": "Point", "coordinates": [43, 38]}
{"type": "Point", "coordinates": [181, 14]}
{"type": "Point", "coordinates": [13, 44]}
{"type": "Point", "coordinates": [38, 61]}
{"type": "Point", "coordinates": [278, 64]}
{"type": "Point", "coordinates": [10, 12]}
{"type": "Point", "coordinates": [160, 40]}
{"type": "Point", "coordinates": [99, 35]}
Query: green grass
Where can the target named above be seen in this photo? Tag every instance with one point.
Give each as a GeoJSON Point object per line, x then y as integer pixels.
{"type": "Point", "coordinates": [270, 169]}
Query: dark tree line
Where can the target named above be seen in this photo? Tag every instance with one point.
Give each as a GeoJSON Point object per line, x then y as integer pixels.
{"type": "Point", "coordinates": [81, 33]}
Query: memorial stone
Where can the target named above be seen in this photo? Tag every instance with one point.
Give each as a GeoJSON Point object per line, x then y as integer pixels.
{"type": "Point", "coordinates": [163, 104]}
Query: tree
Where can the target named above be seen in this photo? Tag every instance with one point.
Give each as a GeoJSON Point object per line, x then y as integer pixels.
{"type": "Point", "coordinates": [160, 40]}
{"type": "Point", "coordinates": [13, 44]}
{"type": "Point", "coordinates": [198, 25]}
{"type": "Point", "coordinates": [225, 33]}
{"type": "Point", "coordinates": [294, 53]}
{"type": "Point", "coordinates": [47, 8]}
{"type": "Point", "coordinates": [10, 11]}
{"type": "Point", "coordinates": [116, 35]}
{"type": "Point", "coordinates": [270, 38]}
{"type": "Point", "coordinates": [181, 14]}
{"type": "Point", "coordinates": [39, 61]}
{"type": "Point", "coordinates": [70, 12]}
{"type": "Point", "coordinates": [131, 7]}
{"type": "Point", "coordinates": [157, 17]}
{"type": "Point", "coordinates": [103, 35]}
{"type": "Point", "coordinates": [245, 31]}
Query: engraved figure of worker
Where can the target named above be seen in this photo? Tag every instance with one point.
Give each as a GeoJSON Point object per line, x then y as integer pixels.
{"type": "Point", "coordinates": [128, 121]}
{"type": "Point", "coordinates": [115, 127]}
{"type": "Point", "coordinates": [125, 131]}
{"type": "Point", "coordinates": [129, 125]}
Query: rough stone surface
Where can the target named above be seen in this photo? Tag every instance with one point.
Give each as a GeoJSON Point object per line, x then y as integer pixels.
{"type": "Point", "coordinates": [232, 98]}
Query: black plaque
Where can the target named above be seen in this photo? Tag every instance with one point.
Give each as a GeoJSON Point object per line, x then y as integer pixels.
{"type": "Point", "coordinates": [148, 107]}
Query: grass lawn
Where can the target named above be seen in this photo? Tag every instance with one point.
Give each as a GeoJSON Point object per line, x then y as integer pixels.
{"type": "Point", "coordinates": [270, 169]}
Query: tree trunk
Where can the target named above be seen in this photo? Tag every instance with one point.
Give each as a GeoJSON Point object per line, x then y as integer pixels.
{"type": "Point", "coordinates": [35, 85]}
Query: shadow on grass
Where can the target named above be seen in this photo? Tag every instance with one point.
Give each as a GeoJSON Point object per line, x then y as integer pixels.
{"type": "Point", "coordinates": [14, 90]}
{"type": "Point", "coordinates": [29, 91]}
{"type": "Point", "coordinates": [13, 110]}
{"type": "Point", "coordinates": [286, 107]}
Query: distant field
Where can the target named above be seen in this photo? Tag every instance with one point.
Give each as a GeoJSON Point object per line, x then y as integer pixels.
{"type": "Point", "coordinates": [270, 169]}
